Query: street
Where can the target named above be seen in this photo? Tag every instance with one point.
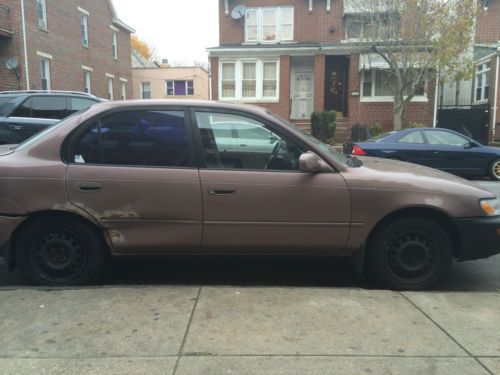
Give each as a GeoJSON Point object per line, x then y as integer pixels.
{"type": "Point", "coordinates": [257, 315]}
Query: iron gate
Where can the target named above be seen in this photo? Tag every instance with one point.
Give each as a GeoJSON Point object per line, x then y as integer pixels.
{"type": "Point", "coordinates": [468, 120]}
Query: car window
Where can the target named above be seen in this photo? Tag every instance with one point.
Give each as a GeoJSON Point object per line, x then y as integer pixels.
{"type": "Point", "coordinates": [53, 107]}
{"type": "Point", "coordinates": [413, 137]}
{"type": "Point", "coordinates": [251, 145]}
{"type": "Point", "coordinates": [24, 110]}
{"type": "Point", "coordinates": [77, 104]}
{"type": "Point", "coordinates": [140, 138]}
{"type": "Point", "coordinates": [6, 104]}
{"type": "Point", "coordinates": [437, 137]}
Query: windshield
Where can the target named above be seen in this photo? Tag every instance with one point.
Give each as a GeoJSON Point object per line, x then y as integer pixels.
{"type": "Point", "coordinates": [48, 130]}
{"type": "Point", "coordinates": [380, 136]}
{"type": "Point", "coordinates": [341, 158]}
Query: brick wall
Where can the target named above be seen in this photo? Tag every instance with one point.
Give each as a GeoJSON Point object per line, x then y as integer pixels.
{"type": "Point", "coordinates": [62, 41]}
{"type": "Point", "coordinates": [488, 24]}
{"type": "Point", "coordinates": [11, 47]}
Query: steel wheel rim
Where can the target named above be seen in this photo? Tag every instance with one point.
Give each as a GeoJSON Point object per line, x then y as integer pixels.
{"type": "Point", "coordinates": [412, 257]}
{"type": "Point", "coordinates": [58, 255]}
{"type": "Point", "coordinates": [496, 169]}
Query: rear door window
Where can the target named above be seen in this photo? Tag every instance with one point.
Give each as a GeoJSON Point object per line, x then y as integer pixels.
{"type": "Point", "coordinates": [77, 104]}
{"type": "Point", "coordinates": [136, 138]}
{"type": "Point", "coordinates": [24, 110]}
{"type": "Point", "coordinates": [53, 107]}
{"type": "Point", "coordinates": [413, 137]}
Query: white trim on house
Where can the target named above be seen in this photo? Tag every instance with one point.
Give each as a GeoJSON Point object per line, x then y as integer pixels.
{"type": "Point", "coordinates": [80, 9]}
{"type": "Point", "coordinates": [259, 78]}
{"type": "Point", "coordinates": [123, 79]}
{"type": "Point", "coordinates": [109, 75]}
{"type": "Point", "coordinates": [482, 70]}
{"type": "Point", "coordinates": [87, 81]}
{"type": "Point", "coordinates": [278, 25]}
{"type": "Point", "coordinates": [85, 67]}
{"type": "Point", "coordinates": [113, 28]}
{"type": "Point", "coordinates": [44, 55]}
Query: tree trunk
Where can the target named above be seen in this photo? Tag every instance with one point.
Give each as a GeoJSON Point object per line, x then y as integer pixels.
{"type": "Point", "coordinates": [398, 116]}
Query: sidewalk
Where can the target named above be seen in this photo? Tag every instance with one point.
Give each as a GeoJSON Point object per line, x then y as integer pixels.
{"type": "Point", "coordinates": [247, 330]}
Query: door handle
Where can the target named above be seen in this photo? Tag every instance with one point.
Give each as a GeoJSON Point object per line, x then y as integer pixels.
{"type": "Point", "coordinates": [87, 187]}
{"type": "Point", "coordinates": [221, 190]}
{"type": "Point", "coordinates": [15, 127]}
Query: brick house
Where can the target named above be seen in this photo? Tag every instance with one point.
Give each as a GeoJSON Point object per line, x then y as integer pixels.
{"type": "Point", "coordinates": [299, 56]}
{"type": "Point", "coordinates": [76, 45]}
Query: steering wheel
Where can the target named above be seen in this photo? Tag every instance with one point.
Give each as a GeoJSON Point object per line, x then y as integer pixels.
{"type": "Point", "coordinates": [276, 150]}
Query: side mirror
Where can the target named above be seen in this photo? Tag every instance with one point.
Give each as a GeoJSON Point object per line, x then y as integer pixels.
{"type": "Point", "coordinates": [309, 162]}
{"type": "Point", "coordinates": [470, 145]}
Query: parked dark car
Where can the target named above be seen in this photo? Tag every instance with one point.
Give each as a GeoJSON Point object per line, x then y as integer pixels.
{"type": "Point", "coordinates": [438, 148]}
{"type": "Point", "coordinates": [159, 177]}
{"type": "Point", "coordinates": [25, 113]}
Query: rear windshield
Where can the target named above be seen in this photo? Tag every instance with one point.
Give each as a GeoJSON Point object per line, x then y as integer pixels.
{"type": "Point", "coordinates": [380, 136]}
{"type": "Point", "coordinates": [6, 104]}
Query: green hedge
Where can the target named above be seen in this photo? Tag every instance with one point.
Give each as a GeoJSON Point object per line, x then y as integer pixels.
{"type": "Point", "coordinates": [323, 125]}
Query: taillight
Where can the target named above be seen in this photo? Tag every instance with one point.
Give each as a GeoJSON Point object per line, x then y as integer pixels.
{"type": "Point", "coordinates": [356, 150]}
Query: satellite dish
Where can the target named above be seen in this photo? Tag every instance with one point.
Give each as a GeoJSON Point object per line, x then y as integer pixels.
{"type": "Point", "coordinates": [238, 12]}
{"type": "Point", "coordinates": [11, 63]}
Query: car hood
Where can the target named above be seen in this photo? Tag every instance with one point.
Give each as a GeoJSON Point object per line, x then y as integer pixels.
{"type": "Point", "coordinates": [398, 175]}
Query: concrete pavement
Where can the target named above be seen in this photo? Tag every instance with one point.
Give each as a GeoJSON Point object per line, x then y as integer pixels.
{"type": "Point", "coordinates": [247, 330]}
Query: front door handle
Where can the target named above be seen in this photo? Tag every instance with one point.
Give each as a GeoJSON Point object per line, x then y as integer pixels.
{"type": "Point", "coordinates": [221, 190]}
{"type": "Point", "coordinates": [87, 187]}
{"type": "Point", "coordinates": [16, 127]}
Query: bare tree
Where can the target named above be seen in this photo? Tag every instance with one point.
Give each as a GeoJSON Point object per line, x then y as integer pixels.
{"type": "Point", "coordinates": [412, 39]}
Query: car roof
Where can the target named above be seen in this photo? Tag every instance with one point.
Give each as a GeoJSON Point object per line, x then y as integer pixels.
{"type": "Point", "coordinates": [49, 92]}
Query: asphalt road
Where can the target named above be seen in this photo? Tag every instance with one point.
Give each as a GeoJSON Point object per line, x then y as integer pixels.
{"type": "Point", "coordinates": [480, 275]}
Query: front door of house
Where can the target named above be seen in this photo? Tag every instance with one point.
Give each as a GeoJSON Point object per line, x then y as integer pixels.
{"type": "Point", "coordinates": [336, 84]}
{"type": "Point", "coordinates": [302, 93]}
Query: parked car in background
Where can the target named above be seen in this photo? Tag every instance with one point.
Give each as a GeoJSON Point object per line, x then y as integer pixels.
{"type": "Point", "coordinates": [25, 113]}
{"type": "Point", "coordinates": [438, 148]}
{"type": "Point", "coordinates": [150, 177]}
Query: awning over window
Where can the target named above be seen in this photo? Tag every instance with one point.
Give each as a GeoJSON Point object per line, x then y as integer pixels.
{"type": "Point", "coordinates": [363, 6]}
{"type": "Point", "coordinates": [372, 61]}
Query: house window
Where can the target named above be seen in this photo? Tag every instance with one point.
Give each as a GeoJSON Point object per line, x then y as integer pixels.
{"type": "Point", "coordinates": [482, 83]}
{"type": "Point", "coordinates": [381, 84]}
{"type": "Point", "coordinates": [179, 88]}
{"type": "Point", "coordinates": [84, 25]}
{"type": "Point", "coordinates": [45, 73]}
{"type": "Point", "coordinates": [42, 14]}
{"type": "Point", "coordinates": [243, 80]}
{"type": "Point", "coordinates": [145, 90]}
{"type": "Point", "coordinates": [86, 81]}
{"type": "Point", "coordinates": [123, 90]}
{"type": "Point", "coordinates": [110, 88]}
{"type": "Point", "coordinates": [359, 28]}
{"type": "Point", "coordinates": [269, 25]}
{"type": "Point", "coordinates": [114, 37]}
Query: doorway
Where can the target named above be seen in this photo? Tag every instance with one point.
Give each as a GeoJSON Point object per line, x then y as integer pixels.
{"type": "Point", "coordinates": [336, 84]}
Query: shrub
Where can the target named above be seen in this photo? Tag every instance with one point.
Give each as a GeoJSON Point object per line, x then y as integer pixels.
{"type": "Point", "coordinates": [323, 125]}
{"type": "Point", "coordinates": [375, 129]}
{"type": "Point", "coordinates": [417, 125]}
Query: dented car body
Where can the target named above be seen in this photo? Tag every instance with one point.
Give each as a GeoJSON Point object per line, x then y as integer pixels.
{"type": "Point", "coordinates": [159, 177]}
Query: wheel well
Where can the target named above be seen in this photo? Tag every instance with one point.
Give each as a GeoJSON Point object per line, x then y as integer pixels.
{"type": "Point", "coordinates": [419, 212]}
{"type": "Point", "coordinates": [52, 214]}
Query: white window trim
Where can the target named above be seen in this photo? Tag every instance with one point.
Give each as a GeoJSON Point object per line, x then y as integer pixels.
{"type": "Point", "coordinates": [259, 73]}
{"type": "Point", "coordinates": [141, 89]}
{"type": "Point", "coordinates": [47, 72]}
{"type": "Point", "coordinates": [110, 85]}
{"type": "Point", "coordinates": [85, 67]}
{"type": "Point", "coordinates": [278, 23]}
{"type": "Point", "coordinates": [483, 73]}
{"type": "Point", "coordinates": [113, 28]}
{"type": "Point", "coordinates": [114, 43]}
{"type": "Point", "coordinates": [42, 24]}
{"type": "Point", "coordinates": [44, 55]}
{"type": "Point", "coordinates": [123, 79]}
{"type": "Point", "coordinates": [87, 84]}
{"type": "Point", "coordinates": [185, 84]}
{"type": "Point", "coordinates": [123, 89]}
{"type": "Point", "coordinates": [386, 99]}
{"type": "Point", "coordinates": [109, 75]}
{"type": "Point", "coordinates": [85, 16]}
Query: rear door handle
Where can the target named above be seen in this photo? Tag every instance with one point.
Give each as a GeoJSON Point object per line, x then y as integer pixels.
{"type": "Point", "coordinates": [87, 187]}
{"type": "Point", "coordinates": [15, 127]}
{"type": "Point", "coordinates": [221, 190]}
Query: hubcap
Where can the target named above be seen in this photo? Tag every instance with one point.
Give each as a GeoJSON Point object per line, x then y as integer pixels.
{"type": "Point", "coordinates": [496, 169]}
{"type": "Point", "coordinates": [59, 255]}
{"type": "Point", "coordinates": [412, 257]}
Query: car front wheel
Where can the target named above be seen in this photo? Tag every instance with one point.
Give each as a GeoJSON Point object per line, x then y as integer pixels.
{"type": "Point", "coordinates": [61, 251]}
{"type": "Point", "coordinates": [495, 169]}
{"type": "Point", "coordinates": [410, 254]}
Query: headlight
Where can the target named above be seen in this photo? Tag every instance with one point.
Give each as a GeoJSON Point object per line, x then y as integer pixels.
{"type": "Point", "coordinates": [490, 207]}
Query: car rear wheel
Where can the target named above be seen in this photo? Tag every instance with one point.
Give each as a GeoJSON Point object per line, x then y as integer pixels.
{"type": "Point", "coordinates": [410, 254]}
{"type": "Point", "coordinates": [495, 169]}
{"type": "Point", "coordinates": [61, 251]}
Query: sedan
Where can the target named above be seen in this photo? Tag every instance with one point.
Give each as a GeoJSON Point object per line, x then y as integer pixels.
{"type": "Point", "coordinates": [438, 148]}
{"type": "Point", "coordinates": [151, 177]}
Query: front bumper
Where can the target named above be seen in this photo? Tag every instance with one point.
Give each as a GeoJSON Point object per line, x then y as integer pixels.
{"type": "Point", "coordinates": [479, 237]}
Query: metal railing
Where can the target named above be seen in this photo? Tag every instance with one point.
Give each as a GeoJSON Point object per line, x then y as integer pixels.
{"type": "Point", "coordinates": [5, 19]}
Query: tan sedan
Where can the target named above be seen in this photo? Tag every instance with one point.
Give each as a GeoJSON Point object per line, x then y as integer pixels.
{"type": "Point", "coordinates": [194, 177]}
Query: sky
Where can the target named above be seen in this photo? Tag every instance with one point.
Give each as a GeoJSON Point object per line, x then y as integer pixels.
{"type": "Point", "coordinates": [177, 30]}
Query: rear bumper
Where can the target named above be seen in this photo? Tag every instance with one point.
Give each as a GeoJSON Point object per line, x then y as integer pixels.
{"type": "Point", "coordinates": [479, 237]}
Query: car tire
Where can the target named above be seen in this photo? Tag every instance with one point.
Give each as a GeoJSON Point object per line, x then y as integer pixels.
{"type": "Point", "coordinates": [61, 251]}
{"type": "Point", "coordinates": [495, 169]}
{"type": "Point", "coordinates": [410, 254]}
